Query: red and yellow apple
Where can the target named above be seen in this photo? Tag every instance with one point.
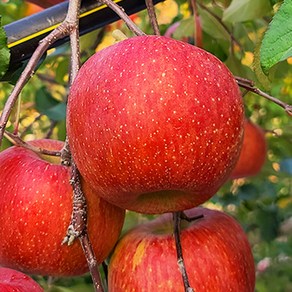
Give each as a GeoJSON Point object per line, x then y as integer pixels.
{"type": "Point", "coordinates": [15, 281]}
{"type": "Point", "coordinates": [216, 251]}
{"type": "Point", "coordinates": [154, 124]}
{"type": "Point", "coordinates": [253, 153]}
{"type": "Point", "coordinates": [35, 211]}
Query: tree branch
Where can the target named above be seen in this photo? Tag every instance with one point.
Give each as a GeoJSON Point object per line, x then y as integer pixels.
{"type": "Point", "coordinates": [16, 140]}
{"type": "Point", "coordinates": [152, 16]}
{"type": "Point", "coordinates": [78, 227]}
{"type": "Point", "coordinates": [120, 12]}
{"type": "Point", "coordinates": [249, 85]}
{"type": "Point", "coordinates": [61, 31]}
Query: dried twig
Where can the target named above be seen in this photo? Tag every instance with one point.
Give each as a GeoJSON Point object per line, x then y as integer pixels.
{"type": "Point", "coordinates": [249, 85]}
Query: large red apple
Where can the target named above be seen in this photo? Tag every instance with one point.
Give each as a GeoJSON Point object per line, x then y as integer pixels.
{"type": "Point", "coordinates": [253, 153]}
{"type": "Point", "coordinates": [15, 281]}
{"type": "Point", "coordinates": [35, 211]}
{"type": "Point", "coordinates": [216, 251]}
{"type": "Point", "coordinates": [154, 124]}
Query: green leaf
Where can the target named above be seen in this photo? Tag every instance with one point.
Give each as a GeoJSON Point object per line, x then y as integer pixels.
{"type": "Point", "coordinates": [48, 105]}
{"type": "Point", "coordinates": [185, 29]}
{"type": "Point", "coordinates": [258, 70]}
{"type": "Point", "coordinates": [244, 10]}
{"type": "Point", "coordinates": [211, 25]}
{"type": "Point", "coordinates": [4, 52]}
{"type": "Point", "coordinates": [268, 222]}
{"type": "Point", "coordinates": [277, 41]}
{"type": "Point", "coordinates": [286, 165]}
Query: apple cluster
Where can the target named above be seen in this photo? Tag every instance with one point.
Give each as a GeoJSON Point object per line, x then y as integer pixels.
{"type": "Point", "coordinates": [154, 126]}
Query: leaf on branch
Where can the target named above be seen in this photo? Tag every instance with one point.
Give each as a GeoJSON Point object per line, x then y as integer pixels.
{"type": "Point", "coordinates": [4, 52]}
{"type": "Point", "coordinates": [212, 26]}
{"type": "Point", "coordinates": [277, 42]}
{"type": "Point", "coordinates": [244, 10]}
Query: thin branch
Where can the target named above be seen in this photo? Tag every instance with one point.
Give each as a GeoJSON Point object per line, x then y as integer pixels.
{"type": "Point", "coordinates": [180, 259]}
{"type": "Point", "coordinates": [16, 140]}
{"type": "Point", "coordinates": [51, 129]}
{"type": "Point", "coordinates": [91, 261]}
{"type": "Point", "coordinates": [249, 85]}
{"type": "Point", "coordinates": [152, 16]}
{"type": "Point", "coordinates": [37, 118]}
{"type": "Point", "coordinates": [61, 31]}
{"type": "Point", "coordinates": [78, 227]}
{"type": "Point", "coordinates": [78, 224]}
{"type": "Point", "coordinates": [121, 13]}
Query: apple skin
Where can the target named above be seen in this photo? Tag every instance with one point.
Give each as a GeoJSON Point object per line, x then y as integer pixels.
{"type": "Point", "coordinates": [215, 248]}
{"type": "Point", "coordinates": [253, 152]}
{"type": "Point", "coordinates": [155, 124]}
{"type": "Point", "coordinates": [15, 281]}
{"type": "Point", "coordinates": [36, 206]}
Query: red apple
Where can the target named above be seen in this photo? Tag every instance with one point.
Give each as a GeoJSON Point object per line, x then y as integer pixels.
{"type": "Point", "coordinates": [15, 281]}
{"type": "Point", "coordinates": [35, 206]}
{"type": "Point", "coordinates": [216, 251]}
{"type": "Point", "coordinates": [253, 153]}
{"type": "Point", "coordinates": [154, 124]}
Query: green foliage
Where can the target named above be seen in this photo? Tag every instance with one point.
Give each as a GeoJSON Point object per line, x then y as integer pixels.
{"type": "Point", "coordinates": [277, 42]}
{"type": "Point", "coordinates": [4, 51]}
{"type": "Point", "coordinates": [244, 10]}
{"type": "Point", "coordinates": [47, 105]}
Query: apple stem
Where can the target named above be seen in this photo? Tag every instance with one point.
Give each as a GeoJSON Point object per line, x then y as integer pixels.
{"type": "Point", "coordinates": [190, 219]}
{"type": "Point", "coordinates": [152, 16]}
{"type": "Point", "coordinates": [121, 13]}
{"type": "Point", "coordinates": [16, 140]}
{"type": "Point", "coordinates": [177, 216]}
{"type": "Point", "coordinates": [249, 85]}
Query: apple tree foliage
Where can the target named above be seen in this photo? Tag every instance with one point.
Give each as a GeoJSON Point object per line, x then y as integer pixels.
{"type": "Point", "coordinates": [254, 39]}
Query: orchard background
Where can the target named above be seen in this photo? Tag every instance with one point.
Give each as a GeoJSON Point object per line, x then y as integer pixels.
{"type": "Point", "coordinates": [233, 31]}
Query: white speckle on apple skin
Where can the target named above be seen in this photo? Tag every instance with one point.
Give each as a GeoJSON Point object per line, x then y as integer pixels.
{"type": "Point", "coordinates": [125, 130]}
